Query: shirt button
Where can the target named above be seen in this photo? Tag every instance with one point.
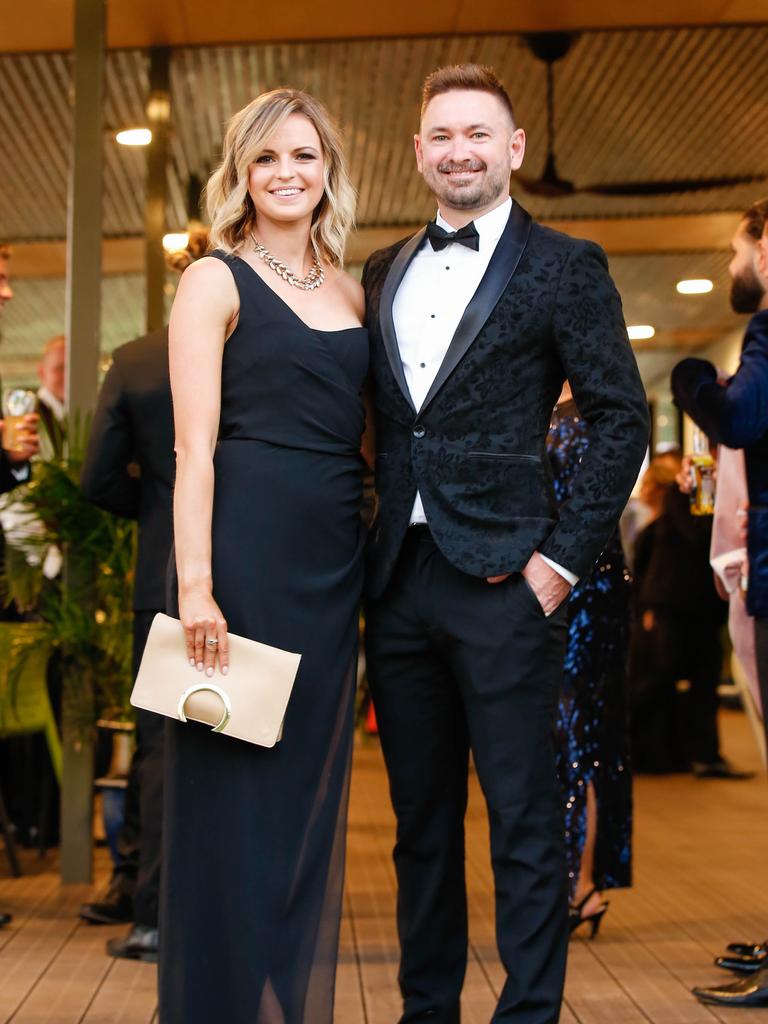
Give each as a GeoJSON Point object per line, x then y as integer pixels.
{"type": "Point", "coordinates": [419, 432]}
{"type": "Point", "coordinates": [432, 316]}
{"type": "Point", "coordinates": [423, 365]}
{"type": "Point", "coordinates": [447, 268]}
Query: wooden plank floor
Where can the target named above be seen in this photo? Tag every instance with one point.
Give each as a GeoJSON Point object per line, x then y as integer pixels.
{"type": "Point", "coordinates": [700, 881]}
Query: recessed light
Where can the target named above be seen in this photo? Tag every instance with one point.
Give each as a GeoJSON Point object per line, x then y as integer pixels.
{"type": "Point", "coordinates": [134, 137]}
{"type": "Point", "coordinates": [175, 241]}
{"type": "Point", "coordinates": [640, 332]}
{"type": "Point", "coordinates": [695, 286]}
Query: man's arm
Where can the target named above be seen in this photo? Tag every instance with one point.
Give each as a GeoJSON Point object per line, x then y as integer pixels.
{"type": "Point", "coordinates": [591, 337]}
{"type": "Point", "coordinates": [734, 414]}
{"type": "Point", "coordinates": [105, 480]}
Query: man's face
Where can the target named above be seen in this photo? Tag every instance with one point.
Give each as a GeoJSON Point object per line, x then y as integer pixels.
{"type": "Point", "coordinates": [467, 148]}
{"type": "Point", "coordinates": [6, 292]}
{"type": "Point", "coordinates": [52, 371]}
{"type": "Point", "coordinates": [748, 284]}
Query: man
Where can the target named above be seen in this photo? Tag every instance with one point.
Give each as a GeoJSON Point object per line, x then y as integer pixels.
{"type": "Point", "coordinates": [475, 323]}
{"type": "Point", "coordinates": [51, 394]}
{"type": "Point", "coordinates": [14, 466]}
{"type": "Point", "coordinates": [129, 471]}
{"type": "Point", "coordinates": [734, 413]}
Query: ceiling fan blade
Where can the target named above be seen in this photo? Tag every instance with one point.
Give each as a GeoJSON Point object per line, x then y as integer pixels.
{"type": "Point", "coordinates": [546, 188]}
{"type": "Point", "coordinates": [667, 188]}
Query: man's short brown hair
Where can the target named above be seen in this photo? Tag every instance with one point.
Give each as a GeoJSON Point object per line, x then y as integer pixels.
{"type": "Point", "coordinates": [478, 77]}
{"type": "Point", "coordinates": [755, 218]}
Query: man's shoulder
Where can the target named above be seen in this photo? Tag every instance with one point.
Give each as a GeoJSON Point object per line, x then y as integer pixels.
{"type": "Point", "coordinates": [135, 353]}
{"type": "Point", "coordinates": [552, 240]}
{"type": "Point", "coordinates": [381, 260]}
{"type": "Point", "coordinates": [757, 330]}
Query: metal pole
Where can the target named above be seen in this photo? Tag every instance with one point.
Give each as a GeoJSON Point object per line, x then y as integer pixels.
{"type": "Point", "coordinates": [158, 118]}
{"type": "Point", "coordinates": [83, 333]}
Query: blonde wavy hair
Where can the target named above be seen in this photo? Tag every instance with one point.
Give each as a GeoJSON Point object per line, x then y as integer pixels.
{"type": "Point", "coordinates": [230, 207]}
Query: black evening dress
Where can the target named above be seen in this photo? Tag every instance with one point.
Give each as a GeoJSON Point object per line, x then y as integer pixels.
{"type": "Point", "coordinates": [592, 738]}
{"type": "Point", "coordinates": [254, 837]}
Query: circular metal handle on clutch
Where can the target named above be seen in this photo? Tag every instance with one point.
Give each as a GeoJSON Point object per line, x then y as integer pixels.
{"type": "Point", "coordinates": [212, 689]}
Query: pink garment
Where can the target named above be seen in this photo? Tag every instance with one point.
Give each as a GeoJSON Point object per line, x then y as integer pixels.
{"type": "Point", "coordinates": [728, 558]}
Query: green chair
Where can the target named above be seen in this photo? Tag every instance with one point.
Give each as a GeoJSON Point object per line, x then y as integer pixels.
{"type": "Point", "coordinates": [25, 707]}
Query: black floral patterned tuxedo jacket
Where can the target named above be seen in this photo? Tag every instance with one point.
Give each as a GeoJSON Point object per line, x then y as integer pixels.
{"type": "Point", "coordinates": [546, 310]}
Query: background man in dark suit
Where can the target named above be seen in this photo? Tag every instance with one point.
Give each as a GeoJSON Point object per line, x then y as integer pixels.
{"type": "Point", "coordinates": [734, 412]}
{"type": "Point", "coordinates": [129, 470]}
{"type": "Point", "coordinates": [14, 466]}
{"type": "Point", "coordinates": [475, 323]}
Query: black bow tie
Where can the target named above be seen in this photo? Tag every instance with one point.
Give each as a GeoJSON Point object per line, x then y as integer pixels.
{"type": "Point", "coordinates": [439, 237]}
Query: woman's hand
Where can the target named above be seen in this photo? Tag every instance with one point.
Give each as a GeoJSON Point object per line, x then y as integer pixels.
{"type": "Point", "coordinates": [202, 621]}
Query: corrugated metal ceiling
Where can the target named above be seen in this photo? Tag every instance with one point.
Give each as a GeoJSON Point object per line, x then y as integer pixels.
{"type": "Point", "coordinates": [631, 105]}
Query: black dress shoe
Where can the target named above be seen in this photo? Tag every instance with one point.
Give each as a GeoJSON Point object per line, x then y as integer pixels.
{"type": "Point", "coordinates": [139, 944]}
{"type": "Point", "coordinates": [718, 770]}
{"type": "Point", "coordinates": [5, 919]}
{"type": "Point", "coordinates": [112, 910]}
{"type": "Point", "coordinates": [751, 991]}
{"type": "Point", "coordinates": [747, 948]}
{"type": "Point", "coordinates": [743, 963]}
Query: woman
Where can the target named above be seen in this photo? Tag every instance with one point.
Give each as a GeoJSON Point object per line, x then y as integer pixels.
{"type": "Point", "coordinates": [592, 732]}
{"type": "Point", "coordinates": [268, 358]}
{"type": "Point", "coordinates": [677, 637]}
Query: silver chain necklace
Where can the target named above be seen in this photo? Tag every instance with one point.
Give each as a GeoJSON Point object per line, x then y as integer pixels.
{"type": "Point", "coordinates": [313, 280]}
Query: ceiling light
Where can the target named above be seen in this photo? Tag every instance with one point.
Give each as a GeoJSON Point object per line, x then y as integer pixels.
{"type": "Point", "coordinates": [695, 286]}
{"type": "Point", "coordinates": [134, 137]}
{"type": "Point", "coordinates": [640, 332]}
{"type": "Point", "coordinates": [175, 241]}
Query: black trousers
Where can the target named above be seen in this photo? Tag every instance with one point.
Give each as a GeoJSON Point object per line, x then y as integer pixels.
{"type": "Point", "coordinates": [457, 663]}
{"type": "Point", "coordinates": [139, 844]}
{"type": "Point", "coordinates": [761, 657]}
{"type": "Point", "coordinates": [671, 730]}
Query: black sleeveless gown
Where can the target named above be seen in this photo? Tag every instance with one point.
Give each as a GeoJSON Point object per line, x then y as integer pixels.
{"type": "Point", "coordinates": [254, 837]}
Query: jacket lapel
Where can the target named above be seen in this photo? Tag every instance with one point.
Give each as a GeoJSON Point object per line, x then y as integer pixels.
{"type": "Point", "coordinates": [395, 275]}
{"type": "Point", "coordinates": [502, 266]}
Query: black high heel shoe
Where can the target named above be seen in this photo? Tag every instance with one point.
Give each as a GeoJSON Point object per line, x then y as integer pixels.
{"type": "Point", "coordinates": [575, 919]}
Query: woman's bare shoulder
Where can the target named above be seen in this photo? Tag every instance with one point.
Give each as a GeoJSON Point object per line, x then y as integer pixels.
{"type": "Point", "coordinates": [353, 291]}
{"type": "Point", "coordinates": [208, 280]}
{"type": "Point", "coordinates": [207, 269]}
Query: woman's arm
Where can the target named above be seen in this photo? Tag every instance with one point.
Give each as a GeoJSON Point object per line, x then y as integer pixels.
{"type": "Point", "coordinates": [203, 315]}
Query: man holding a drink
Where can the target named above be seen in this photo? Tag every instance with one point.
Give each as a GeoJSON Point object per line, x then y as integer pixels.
{"type": "Point", "coordinates": [19, 432]}
{"type": "Point", "coordinates": [19, 436]}
{"type": "Point", "coordinates": [734, 413]}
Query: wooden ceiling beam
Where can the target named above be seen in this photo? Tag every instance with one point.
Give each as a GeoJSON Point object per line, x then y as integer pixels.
{"type": "Point", "coordinates": [707, 232]}
{"type": "Point", "coordinates": [47, 24]}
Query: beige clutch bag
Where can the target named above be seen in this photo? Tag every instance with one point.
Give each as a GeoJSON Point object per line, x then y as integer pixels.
{"type": "Point", "coordinates": [247, 703]}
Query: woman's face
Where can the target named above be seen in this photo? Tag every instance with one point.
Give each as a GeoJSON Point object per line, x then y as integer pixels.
{"type": "Point", "coordinates": [285, 180]}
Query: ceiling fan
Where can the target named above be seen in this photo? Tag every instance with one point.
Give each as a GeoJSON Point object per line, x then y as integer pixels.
{"type": "Point", "coordinates": [551, 47]}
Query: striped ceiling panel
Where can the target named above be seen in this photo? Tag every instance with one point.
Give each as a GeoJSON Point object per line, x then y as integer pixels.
{"type": "Point", "coordinates": [630, 106]}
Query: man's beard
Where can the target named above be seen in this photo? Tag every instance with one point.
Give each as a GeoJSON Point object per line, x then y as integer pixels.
{"type": "Point", "coordinates": [746, 292]}
{"type": "Point", "coordinates": [474, 195]}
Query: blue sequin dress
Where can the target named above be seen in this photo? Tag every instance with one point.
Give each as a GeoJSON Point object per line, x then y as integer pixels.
{"type": "Point", "coordinates": [592, 738]}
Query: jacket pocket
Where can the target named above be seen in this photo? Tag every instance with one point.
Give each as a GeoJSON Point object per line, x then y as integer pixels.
{"type": "Point", "coordinates": [510, 456]}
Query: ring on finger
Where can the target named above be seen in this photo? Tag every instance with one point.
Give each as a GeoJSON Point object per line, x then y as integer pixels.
{"type": "Point", "coordinates": [212, 641]}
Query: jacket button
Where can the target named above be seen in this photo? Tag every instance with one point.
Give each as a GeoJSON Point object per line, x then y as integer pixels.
{"type": "Point", "coordinates": [419, 431]}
